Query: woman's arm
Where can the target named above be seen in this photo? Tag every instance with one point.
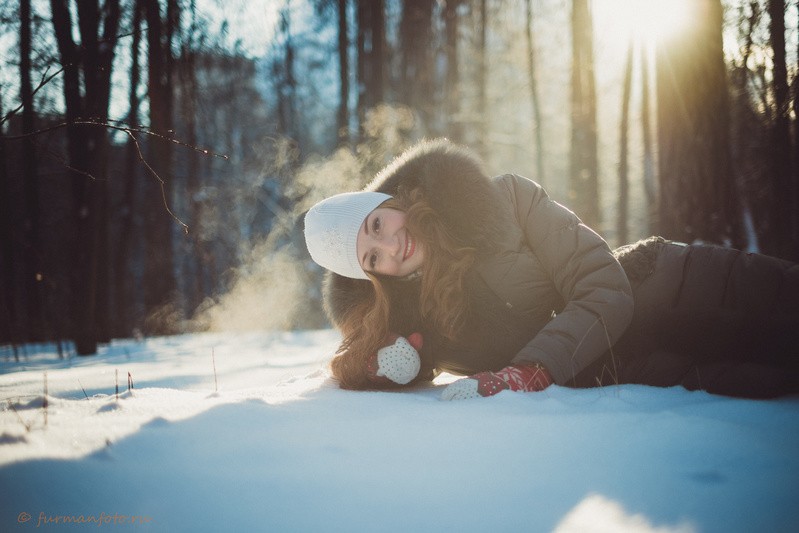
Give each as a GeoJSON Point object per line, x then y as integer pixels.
{"type": "Point", "coordinates": [599, 302]}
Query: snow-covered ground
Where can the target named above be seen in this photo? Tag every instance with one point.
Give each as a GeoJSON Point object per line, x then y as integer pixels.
{"type": "Point", "coordinates": [269, 443]}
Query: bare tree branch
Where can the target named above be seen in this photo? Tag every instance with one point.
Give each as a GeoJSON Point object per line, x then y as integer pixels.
{"type": "Point", "coordinates": [161, 181]}
{"type": "Point", "coordinates": [131, 133]}
{"type": "Point", "coordinates": [119, 126]}
{"type": "Point", "coordinates": [44, 81]}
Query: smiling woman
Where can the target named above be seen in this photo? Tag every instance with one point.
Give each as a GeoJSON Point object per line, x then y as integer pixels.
{"type": "Point", "coordinates": [511, 289]}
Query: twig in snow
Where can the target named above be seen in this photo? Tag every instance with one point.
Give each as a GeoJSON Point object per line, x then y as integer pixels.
{"type": "Point", "coordinates": [84, 390]}
{"type": "Point", "coordinates": [116, 382]}
{"type": "Point", "coordinates": [130, 382]}
{"type": "Point", "coordinates": [44, 402]}
{"type": "Point", "coordinates": [25, 424]}
{"type": "Point", "coordinates": [213, 362]}
{"type": "Point", "coordinates": [614, 372]}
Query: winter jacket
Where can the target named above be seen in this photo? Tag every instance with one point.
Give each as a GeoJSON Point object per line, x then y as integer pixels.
{"type": "Point", "coordinates": [544, 287]}
{"type": "Point", "coordinates": [706, 317]}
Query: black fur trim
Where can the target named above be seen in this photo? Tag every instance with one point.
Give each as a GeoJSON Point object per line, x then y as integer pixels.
{"type": "Point", "coordinates": [638, 259]}
{"type": "Point", "coordinates": [454, 184]}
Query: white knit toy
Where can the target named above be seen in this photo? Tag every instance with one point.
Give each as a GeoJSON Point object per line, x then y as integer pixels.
{"type": "Point", "coordinates": [399, 361]}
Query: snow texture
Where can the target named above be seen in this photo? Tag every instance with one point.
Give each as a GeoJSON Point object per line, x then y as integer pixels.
{"type": "Point", "coordinates": [279, 447]}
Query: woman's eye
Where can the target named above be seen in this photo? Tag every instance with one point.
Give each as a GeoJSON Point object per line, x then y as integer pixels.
{"type": "Point", "coordinates": [376, 225]}
{"type": "Point", "coordinates": [372, 261]}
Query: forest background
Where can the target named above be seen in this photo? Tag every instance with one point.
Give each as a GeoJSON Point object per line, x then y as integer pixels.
{"type": "Point", "coordinates": [156, 156]}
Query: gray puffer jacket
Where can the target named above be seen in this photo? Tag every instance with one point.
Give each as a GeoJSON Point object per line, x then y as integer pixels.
{"type": "Point", "coordinates": [561, 280]}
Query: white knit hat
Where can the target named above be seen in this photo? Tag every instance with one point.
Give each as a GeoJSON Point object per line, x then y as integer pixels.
{"type": "Point", "coordinates": [331, 230]}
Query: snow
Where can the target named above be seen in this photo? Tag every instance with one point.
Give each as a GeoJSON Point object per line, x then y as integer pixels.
{"type": "Point", "coordinates": [274, 445]}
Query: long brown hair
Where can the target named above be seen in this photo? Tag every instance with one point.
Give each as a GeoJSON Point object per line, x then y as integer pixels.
{"type": "Point", "coordinates": [442, 300]}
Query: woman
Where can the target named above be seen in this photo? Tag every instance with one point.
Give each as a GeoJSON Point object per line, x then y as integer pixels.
{"type": "Point", "coordinates": [509, 288]}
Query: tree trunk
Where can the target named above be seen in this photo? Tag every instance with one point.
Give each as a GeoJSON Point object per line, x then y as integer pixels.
{"type": "Point", "coordinates": [98, 59]}
{"type": "Point", "coordinates": [123, 300]}
{"type": "Point", "coordinates": [622, 235]}
{"type": "Point", "coordinates": [780, 145]}
{"type": "Point", "coordinates": [482, 82]}
{"type": "Point", "coordinates": [795, 206]}
{"type": "Point", "coordinates": [377, 80]}
{"type": "Point", "coordinates": [650, 185]}
{"type": "Point", "coordinates": [698, 197]}
{"type": "Point", "coordinates": [189, 110]}
{"type": "Point", "coordinates": [87, 153]}
{"type": "Point", "coordinates": [584, 182]}
{"type": "Point", "coordinates": [452, 89]}
{"type": "Point", "coordinates": [371, 57]}
{"type": "Point", "coordinates": [362, 16]}
{"type": "Point", "coordinates": [343, 117]}
{"type": "Point", "coordinates": [535, 100]}
{"type": "Point", "coordinates": [81, 326]}
{"type": "Point", "coordinates": [287, 85]}
{"type": "Point", "coordinates": [8, 308]}
{"type": "Point", "coordinates": [417, 67]}
{"type": "Point", "coordinates": [159, 275]}
{"type": "Point", "coordinates": [749, 138]}
{"type": "Point", "coordinates": [31, 243]}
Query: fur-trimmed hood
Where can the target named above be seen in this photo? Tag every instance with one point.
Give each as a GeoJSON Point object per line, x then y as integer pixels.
{"type": "Point", "coordinates": [457, 187]}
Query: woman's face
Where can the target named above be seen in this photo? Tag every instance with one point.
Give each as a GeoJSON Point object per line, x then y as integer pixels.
{"type": "Point", "coordinates": [385, 246]}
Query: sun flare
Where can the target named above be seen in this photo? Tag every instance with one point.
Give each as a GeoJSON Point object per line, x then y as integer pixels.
{"type": "Point", "coordinates": [644, 20]}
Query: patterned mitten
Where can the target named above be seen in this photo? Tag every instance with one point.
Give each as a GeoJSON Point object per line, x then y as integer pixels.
{"type": "Point", "coordinates": [525, 378]}
{"type": "Point", "coordinates": [397, 361]}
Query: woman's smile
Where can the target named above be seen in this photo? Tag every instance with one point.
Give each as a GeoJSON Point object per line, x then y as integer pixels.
{"type": "Point", "coordinates": [410, 247]}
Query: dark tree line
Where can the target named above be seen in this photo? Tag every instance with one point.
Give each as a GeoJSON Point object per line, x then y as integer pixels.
{"type": "Point", "coordinates": [97, 246]}
{"type": "Point", "coordinates": [116, 215]}
{"type": "Point", "coordinates": [699, 198]}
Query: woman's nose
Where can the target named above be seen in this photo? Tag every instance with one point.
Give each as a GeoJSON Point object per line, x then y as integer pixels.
{"type": "Point", "coordinates": [390, 243]}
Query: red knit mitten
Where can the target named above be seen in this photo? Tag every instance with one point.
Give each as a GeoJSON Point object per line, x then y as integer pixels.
{"type": "Point", "coordinates": [397, 361]}
{"type": "Point", "coordinates": [525, 378]}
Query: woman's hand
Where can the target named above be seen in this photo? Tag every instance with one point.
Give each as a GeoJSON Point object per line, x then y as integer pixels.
{"type": "Point", "coordinates": [397, 361]}
{"type": "Point", "coordinates": [525, 378]}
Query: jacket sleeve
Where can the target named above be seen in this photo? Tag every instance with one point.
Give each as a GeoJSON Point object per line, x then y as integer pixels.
{"type": "Point", "coordinates": [597, 294]}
